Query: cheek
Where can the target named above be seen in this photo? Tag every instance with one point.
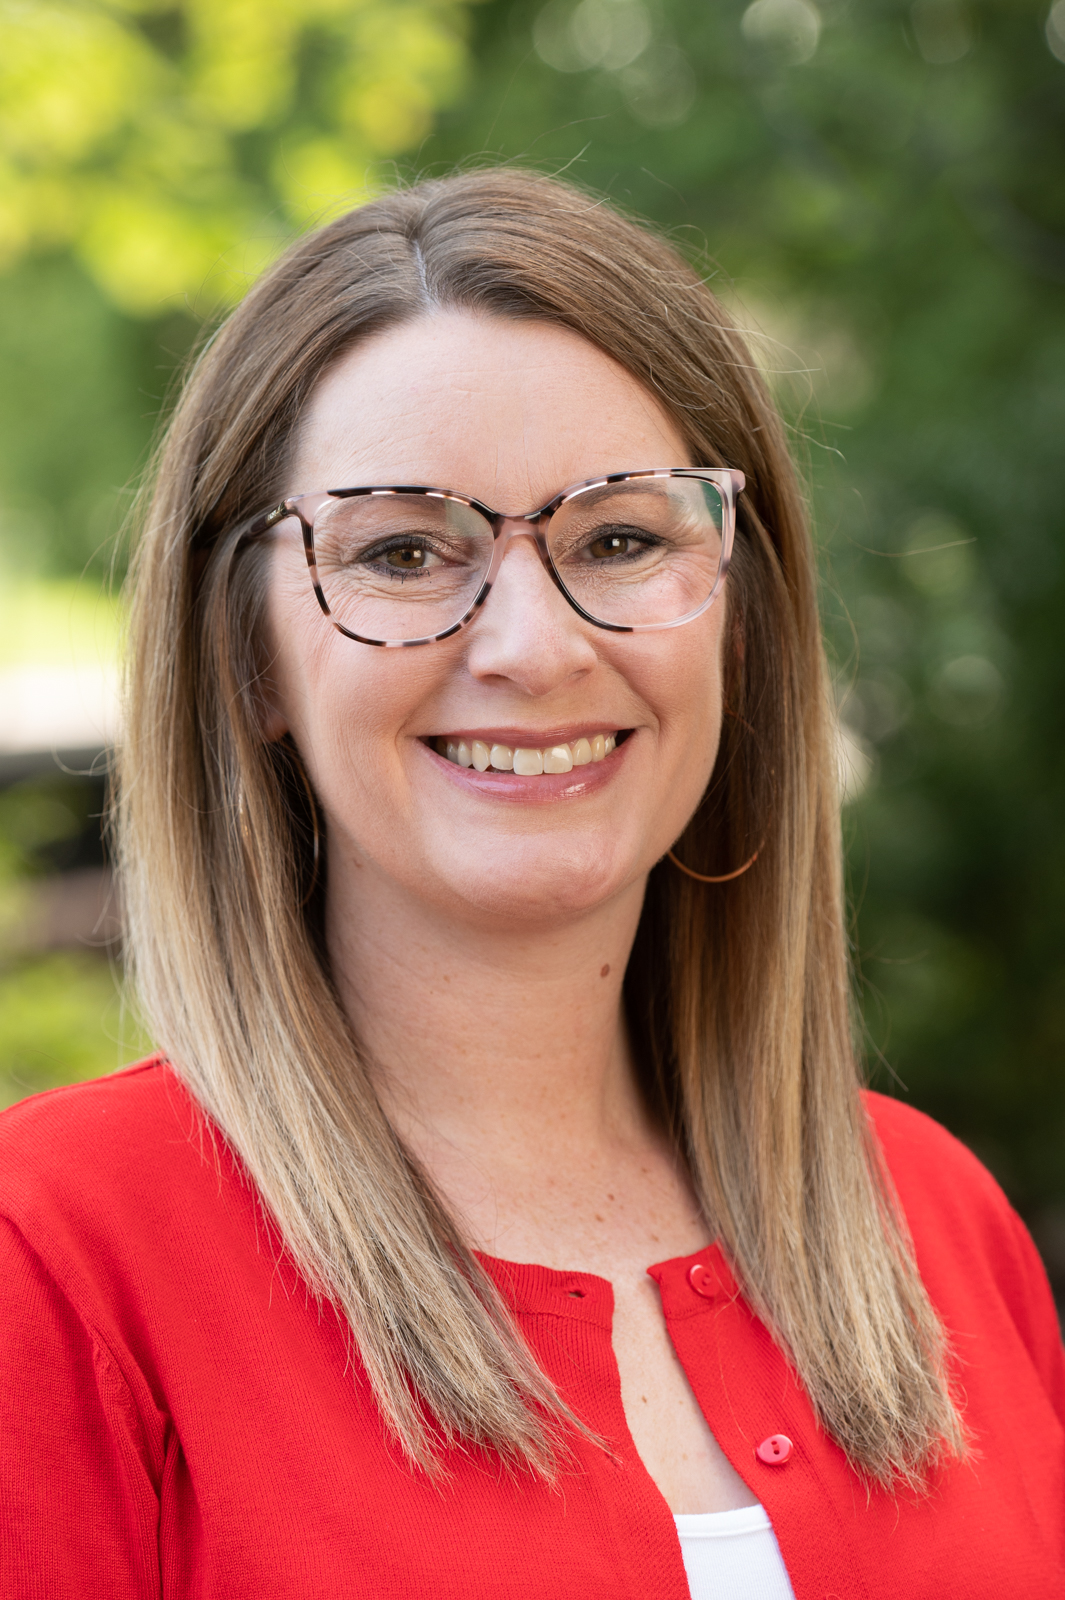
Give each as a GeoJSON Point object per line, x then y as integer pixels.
{"type": "Point", "coordinates": [296, 644]}
{"type": "Point", "coordinates": [352, 704]}
{"type": "Point", "coordinates": [328, 691]}
{"type": "Point", "coordinates": [689, 703]}
{"type": "Point", "coordinates": [682, 684]}
{"type": "Point", "coordinates": [324, 689]}
{"type": "Point", "coordinates": [697, 736]}
{"type": "Point", "coordinates": [347, 707]}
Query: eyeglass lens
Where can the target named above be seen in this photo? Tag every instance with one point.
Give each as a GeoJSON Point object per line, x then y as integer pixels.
{"type": "Point", "coordinates": [634, 553]}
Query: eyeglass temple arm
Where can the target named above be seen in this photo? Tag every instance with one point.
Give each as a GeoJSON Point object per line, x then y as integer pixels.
{"type": "Point", "coordinates": [265, 521]}
{"type": "Point", "coordinates": [737, 479]}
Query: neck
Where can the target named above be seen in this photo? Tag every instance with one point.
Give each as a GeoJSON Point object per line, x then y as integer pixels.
{"type": "Point", "coordinates": [488, 1038]}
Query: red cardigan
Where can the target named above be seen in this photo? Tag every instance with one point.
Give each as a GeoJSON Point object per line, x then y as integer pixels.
{"type": "Point", "coordinates": [178, 1418]}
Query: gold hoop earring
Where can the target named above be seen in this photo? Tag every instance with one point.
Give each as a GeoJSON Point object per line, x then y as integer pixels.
{"type": "Point", "coordinates": [301, 769]}
{"type": "Point", "coordinates": [725, 877]}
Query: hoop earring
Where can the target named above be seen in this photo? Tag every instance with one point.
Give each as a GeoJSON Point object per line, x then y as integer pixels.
{"type": "Point", "coordinates": [301, 769]}
{"type": "Point", "coordinates": [725, 877]}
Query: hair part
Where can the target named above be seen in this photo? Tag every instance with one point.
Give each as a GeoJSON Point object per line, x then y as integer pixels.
{"type": "Point", "coordinates": [738, 996]}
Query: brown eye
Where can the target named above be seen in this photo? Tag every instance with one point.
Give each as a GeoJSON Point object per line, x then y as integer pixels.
{"type": "Point", "coordinates": [407, 558]}
{"type": "Point", "coordinates": [609, 544]}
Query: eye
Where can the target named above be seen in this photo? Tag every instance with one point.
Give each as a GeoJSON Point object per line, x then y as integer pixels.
{"type": "Point", "coordinates": [610, 544]}
{"type": "Point", "coordinates": [410, 554]}
{"type": "Point", "coordinates": [616, 542]}
{"type": "Point", "coordinates": [406, 557]}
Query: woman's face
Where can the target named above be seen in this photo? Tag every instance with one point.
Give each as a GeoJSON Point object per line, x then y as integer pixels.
{"type": "Point", "coordinates": [507, 412]}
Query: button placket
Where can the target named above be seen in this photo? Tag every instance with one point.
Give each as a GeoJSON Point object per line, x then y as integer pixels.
{"type": "Point", "coordinates": [743, 1383]}
{"type": "Point", "coordinates": [705, 1281]}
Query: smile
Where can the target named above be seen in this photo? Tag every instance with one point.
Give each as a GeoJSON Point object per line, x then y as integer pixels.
{"type": "Point", "coordinates": [527, 761]}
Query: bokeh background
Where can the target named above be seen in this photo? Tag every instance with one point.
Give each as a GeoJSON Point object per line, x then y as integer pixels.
{"type": "Point", "coordinates": [876, 187]}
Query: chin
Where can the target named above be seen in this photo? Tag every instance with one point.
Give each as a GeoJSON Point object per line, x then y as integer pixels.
{"type": "Point", "coordinates": [535, 891]}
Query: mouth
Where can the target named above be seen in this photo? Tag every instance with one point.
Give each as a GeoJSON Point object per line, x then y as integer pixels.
{"type": "Point", "coordinates": [528, 760]}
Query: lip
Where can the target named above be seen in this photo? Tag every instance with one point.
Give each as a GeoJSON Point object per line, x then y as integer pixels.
{"type": "Point", "coordinates": [529, 738]}
{"type": "Point", "coordinates": [546, 788]}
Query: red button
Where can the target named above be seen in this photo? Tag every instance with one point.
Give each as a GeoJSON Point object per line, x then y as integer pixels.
{"type": "Point", "coordinates": [775, 1450]}
{"type": "Point", "coordinates": [703, 1280]}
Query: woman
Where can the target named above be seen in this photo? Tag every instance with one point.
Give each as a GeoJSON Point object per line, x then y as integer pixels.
{"type": "Point", "coordinates": [503, 1216]}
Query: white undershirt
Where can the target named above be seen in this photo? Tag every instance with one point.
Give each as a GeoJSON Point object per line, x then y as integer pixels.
{"type": "Point", "coordinates": [733, 1555]}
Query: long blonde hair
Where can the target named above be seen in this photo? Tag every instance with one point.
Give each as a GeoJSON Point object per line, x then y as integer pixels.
{"type": "Point", "coordinates": [738, 996]}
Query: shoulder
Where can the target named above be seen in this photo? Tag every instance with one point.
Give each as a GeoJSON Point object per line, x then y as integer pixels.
{"type": "Point", "coordinates": [947, 1195]}
{"type": "Point", "coordinates": [120, 1131]}
{"type": "Point", "coordinates": [974, 1253]}
{"type": "Point", "coordinates": [128, 1095]}
{"type": "Point", "coordinates": [927, 1162]}
{"type": "Point", "coordinates": [102, 1178]}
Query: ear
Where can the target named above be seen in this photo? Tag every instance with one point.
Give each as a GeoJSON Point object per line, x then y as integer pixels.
{"type": "Point", "coordinates": [265, 690]}
{"type": "Point", "coordinates": [267, 709]}
{"type": "Point", "coordinates": [274, 727]}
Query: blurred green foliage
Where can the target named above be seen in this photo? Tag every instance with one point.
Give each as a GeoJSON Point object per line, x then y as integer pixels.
{"type": "Point", "coordinates": [877, 189]}
{"type": "Point", "coordinates": [62, 1012]}
{"type": "Point", "coordinates": [42, 823]}
{"type": "Point", "coordinates": [81, 392]}
{"type": "Point", "coordinates": [61, 1021]}
{"type": "Point", "coordinates": [170, 146]}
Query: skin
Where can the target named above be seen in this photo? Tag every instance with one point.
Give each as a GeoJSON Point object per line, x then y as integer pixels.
{"type": "Point", "coordinates": [479, 937]}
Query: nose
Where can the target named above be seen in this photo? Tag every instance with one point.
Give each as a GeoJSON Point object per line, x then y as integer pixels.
{"type": "Point", "coordinates": [526, 632]}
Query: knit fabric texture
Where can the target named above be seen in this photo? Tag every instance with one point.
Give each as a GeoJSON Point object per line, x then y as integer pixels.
{"type": "Point", "coordinates": [180, 1418]}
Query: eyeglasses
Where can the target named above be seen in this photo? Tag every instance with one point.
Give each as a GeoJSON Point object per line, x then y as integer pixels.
{"type": "Point", "coordinates": [400, 565]}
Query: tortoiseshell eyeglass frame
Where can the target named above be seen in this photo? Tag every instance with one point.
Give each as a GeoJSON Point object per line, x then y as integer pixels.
{"type": "Point", "coordinates": [305, 508]}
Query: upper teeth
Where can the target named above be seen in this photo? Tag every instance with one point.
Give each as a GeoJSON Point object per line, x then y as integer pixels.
{"type": "Point", "coordinates": [526, 762]}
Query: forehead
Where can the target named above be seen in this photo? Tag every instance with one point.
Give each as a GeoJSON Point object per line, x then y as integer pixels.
{"type": "Point", "coordinates": [507, 411]}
